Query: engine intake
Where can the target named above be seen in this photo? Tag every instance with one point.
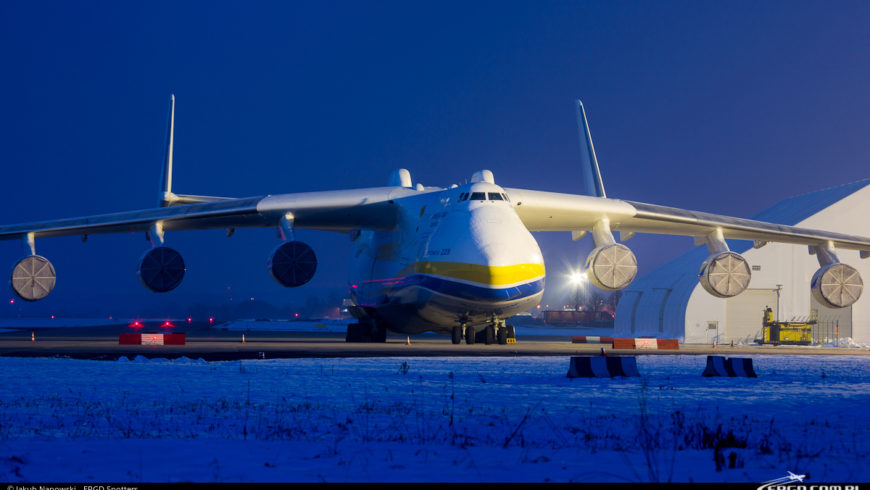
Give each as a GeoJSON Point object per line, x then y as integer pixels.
{"type": "Point", "coordinates": [161, 269]}
{"type": "Point", "coordinates": [292, 264]}
{"type": "Point", "coordinates": [725, 274]}
{"type": "Point", "coordinates": [32, 278]}
{"type": "Point", "coordinates": [611, 267]}
{"type": "Point", "coordinates": [837, 285]}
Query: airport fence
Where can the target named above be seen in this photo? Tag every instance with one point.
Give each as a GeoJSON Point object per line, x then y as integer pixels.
{"type": "Point", "coordinates": [829, 332]}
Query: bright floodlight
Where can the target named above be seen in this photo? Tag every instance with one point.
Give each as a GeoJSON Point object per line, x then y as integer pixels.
{"type": "Point", "coordinates": [578, 277]}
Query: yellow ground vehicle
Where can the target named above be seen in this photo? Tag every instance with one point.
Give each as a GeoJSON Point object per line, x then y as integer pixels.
{"type": "Point", "coordinates": [785, 333]}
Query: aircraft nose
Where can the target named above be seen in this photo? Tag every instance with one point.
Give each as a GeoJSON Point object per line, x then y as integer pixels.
{"type": "Point", "coordinates": [504, 247]}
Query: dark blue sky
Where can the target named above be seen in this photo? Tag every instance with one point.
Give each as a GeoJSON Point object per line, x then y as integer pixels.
{"type": "Point", "coordinates": [725, 107]}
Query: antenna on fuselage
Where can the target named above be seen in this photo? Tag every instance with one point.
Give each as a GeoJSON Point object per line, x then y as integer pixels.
{"type": "Point", "coordinates": [589, 163]}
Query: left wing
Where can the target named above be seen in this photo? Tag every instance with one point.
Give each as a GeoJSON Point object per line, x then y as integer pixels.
{"type": "Point", "coordinates": [342, 210]}
{"type": "Point", "coordinates": [162, 269]}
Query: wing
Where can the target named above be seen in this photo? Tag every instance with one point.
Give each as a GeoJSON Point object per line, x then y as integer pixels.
{"type": "Point", "coordinates": [549, 211]}
{"type": "Point", "coordinates": [328, 210]}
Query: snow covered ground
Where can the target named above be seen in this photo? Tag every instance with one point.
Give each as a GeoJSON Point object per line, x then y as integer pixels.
{"type": "Point", "coordinates": [431, 419]}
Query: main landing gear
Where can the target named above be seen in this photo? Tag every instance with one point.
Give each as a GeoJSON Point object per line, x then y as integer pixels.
{"type": "Point", "coordinates": [366, 331]}
{"type": "Point", "coordinates": [492, 333]}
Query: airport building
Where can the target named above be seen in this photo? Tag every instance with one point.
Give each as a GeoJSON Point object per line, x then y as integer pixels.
{"type": "Point", "coordinates": [669, 302]}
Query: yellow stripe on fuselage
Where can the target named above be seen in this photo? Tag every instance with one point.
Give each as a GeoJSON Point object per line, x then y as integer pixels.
{"type": "Point", "coordinates": [499, 275]}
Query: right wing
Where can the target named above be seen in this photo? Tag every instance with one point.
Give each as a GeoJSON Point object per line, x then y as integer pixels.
{"type": "Point", "coordinates": [551, 211]}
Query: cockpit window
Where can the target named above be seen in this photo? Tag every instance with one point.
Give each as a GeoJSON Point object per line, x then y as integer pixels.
{"type": "Point", "coordinates": [495, 196]}
{"type": "Point", "coordinates": [463, 196]}
{"type": "Point", "coordinates": [506, 198]}
{"type": "Point", "coordinates": [478, 196]}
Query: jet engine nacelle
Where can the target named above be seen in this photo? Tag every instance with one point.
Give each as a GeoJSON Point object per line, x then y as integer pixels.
{"type": "Point", "coordinates": [292, 264]}
{"type": "Point", "coordinates": [32, 278]}
{"type": "Point", "coordinates": [836, 285]}
{"type": "Point", "coordinates": [161, 269]}
{"type": "Point", "coordinates": [725, 274]}
{"type": "Point", "coordinates": [611, 266]}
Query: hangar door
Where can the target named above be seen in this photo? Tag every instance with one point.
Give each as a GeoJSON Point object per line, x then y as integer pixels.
{"type": "Point", "coordinates": [744, 314]}
{"type": "Point", "coordinates": [832, 322]}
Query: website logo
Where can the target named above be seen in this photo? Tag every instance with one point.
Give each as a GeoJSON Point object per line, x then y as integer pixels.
{"type": "Point", "coordinates": [790, 478]}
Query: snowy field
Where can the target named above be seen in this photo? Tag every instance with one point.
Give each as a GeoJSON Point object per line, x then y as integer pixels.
{"type": "Point", "coordinates": [431, 419]}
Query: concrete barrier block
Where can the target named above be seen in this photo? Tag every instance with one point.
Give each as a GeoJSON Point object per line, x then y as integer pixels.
{"type": "Point", "coordinates": [732, 367]}
{"type": "Point", "coordinates": [602, 367]}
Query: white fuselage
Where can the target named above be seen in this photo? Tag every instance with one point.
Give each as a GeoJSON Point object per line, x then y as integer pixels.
{"type": "Point", "coordinates": [458, 256]}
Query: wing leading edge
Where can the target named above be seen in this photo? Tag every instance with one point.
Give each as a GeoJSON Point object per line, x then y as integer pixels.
{"type": "Point", "coordinates": [328, 210]}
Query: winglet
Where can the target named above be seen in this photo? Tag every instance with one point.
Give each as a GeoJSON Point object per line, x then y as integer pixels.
{"type": "Point", "coordinates": [591, 174]}
{"type": "Point", "coordinates": [166, 195]}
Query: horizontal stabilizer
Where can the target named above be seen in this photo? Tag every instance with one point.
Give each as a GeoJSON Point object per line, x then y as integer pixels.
{"type": "Point", "coordinates": [172, 199]}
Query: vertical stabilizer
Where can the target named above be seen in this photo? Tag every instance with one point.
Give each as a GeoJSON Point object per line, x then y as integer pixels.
{"type": "Point", "coordinates": [166, 195]}
{"type": "Point", "coordinates": [589, 163]}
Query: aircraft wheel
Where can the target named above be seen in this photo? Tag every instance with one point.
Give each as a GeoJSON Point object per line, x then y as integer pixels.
{"type": "Point", "coordinates": [457, 335]}
{"type": "Point", "coordinates": [379, 333]}
{"type": "Point", "coordinates": [469, 336]}
{"type": "Point", "coordinates": [511, 332]}
{"type": "Point", "coordinates": [502, 335]}
{"type": "Point", "coordinates": [353, 333]}
{"type": "Point", "coordinates": [489, 334]}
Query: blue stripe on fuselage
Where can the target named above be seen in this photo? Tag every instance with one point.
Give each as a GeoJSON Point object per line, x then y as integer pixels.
{"type": "Point", "coordinates": [373, 293]}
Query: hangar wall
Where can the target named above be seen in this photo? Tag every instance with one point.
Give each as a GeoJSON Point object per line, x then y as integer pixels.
{"type": "Point", "coordinates": [670, 302]}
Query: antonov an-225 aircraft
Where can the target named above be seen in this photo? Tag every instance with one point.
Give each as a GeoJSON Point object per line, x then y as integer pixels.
{"type": "Point", "coordinates": [457, 260]}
